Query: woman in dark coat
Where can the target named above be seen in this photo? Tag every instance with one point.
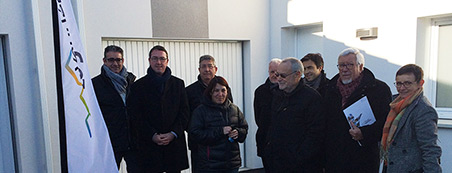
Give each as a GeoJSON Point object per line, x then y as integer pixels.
{"type": "Point", "coordinates": [218, 126]}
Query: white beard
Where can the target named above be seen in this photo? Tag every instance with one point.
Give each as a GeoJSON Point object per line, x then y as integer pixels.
{"type": "Point", "coordinates": [345, 82]}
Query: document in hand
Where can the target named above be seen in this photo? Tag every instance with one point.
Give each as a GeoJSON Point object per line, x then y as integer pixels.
{"type": "Point", "coordinates": [360, 113]}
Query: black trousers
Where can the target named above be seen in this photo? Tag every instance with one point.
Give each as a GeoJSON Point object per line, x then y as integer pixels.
{"type": "Point", "coordinates": [131, 158]}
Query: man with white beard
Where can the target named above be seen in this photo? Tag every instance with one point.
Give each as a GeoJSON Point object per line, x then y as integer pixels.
{"type": "Point", "coordinates": [353, 82]}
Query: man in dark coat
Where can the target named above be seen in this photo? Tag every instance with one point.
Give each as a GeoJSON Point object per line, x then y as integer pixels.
{"type": "Point", "coordinates": [160, 105]}
{"type": "Point", "coordinates": [262, 108]}
{"type": "Point", "coordinates": [112, 88]}
{"type": "Point", "coordinates": [207, 70]}
{"type": "Point", "coordinates": [314, 75]}
{"type": "Point", "coordinates": [354, 149]}
{"type": "Point", "coordinates": [297, 125]}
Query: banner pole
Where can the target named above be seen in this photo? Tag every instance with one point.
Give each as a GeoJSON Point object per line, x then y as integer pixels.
{"type": "Point", "coordinates": [61, 115]}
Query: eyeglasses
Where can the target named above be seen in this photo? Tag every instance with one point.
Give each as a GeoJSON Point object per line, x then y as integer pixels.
{"type": "Point", "coordinates": [155, 58]}
{"type": "Point", "coordinates": [111, 60]}
{"type": "Point", "coordinates": [348, 66]}
{"type": "Point", "coordinates": [284, 75]}
{"type": "Point", "coordinates": [209, 66]}
{"type": "Point", "coordinates": [405, 84]}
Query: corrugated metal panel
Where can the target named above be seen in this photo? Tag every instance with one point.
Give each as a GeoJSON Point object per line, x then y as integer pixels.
{"type": "Point", "coordinates": [183, 60]}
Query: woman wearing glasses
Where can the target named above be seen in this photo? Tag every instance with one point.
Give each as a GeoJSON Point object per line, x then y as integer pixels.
{"type": "Point", "coordinates": [410, 132]}
{"type": "Point", "coordinates": [218, 126]}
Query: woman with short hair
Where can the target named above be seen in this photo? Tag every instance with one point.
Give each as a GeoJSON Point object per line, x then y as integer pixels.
{"type": "Point", "coordinates": [410, 134]}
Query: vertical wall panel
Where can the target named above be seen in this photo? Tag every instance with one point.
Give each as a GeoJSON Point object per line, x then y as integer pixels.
{"type": "Point", "coordinates": [184, 56]}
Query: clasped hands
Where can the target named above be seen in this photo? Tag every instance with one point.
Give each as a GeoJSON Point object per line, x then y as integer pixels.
{"type": "Point", "coordinates": [163, 139]}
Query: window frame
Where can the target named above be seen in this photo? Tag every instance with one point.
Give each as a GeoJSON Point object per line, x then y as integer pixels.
{"type": "Point", "coordinates": [431, 78]}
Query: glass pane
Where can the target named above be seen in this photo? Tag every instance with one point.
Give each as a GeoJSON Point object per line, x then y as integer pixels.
{"type": "Point", "coordinates": [444, 80]}
{"type": "Point", "coordinates": [6, 143]}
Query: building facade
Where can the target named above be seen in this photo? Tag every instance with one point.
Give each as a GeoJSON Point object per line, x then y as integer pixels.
{"type": "Point", "coordinates": [242, 35]}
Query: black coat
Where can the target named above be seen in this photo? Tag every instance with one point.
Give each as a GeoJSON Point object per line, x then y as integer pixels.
{"type": "Point", "coordinates": [164, 114]}
{"type": "Point", "coordinates": [296, 132]}
{"type": "Point", "coordinates": [114, 111]}
{"type": "Point", "coordinates": [215, 151]}
{"type": "Point", "coordinates": [262, 113]}
{"type": "Point", "coordinates": [323, 84]}
{"type": "Point", "coordinates": [343, 154]}
{"type": "Point", "coordinates": [195, 93]}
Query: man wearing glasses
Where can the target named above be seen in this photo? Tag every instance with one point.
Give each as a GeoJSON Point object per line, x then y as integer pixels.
{"type": "Point", "coordinates": [354, 149]}
{"type": "Point", "coordinates": [112, 88]}
{"type": "Point", "coordinates": [195, 91]}
{"type": "Point", "coordinates": [295, 135]}
{"type": "Point", "coordinates": [160, 109]}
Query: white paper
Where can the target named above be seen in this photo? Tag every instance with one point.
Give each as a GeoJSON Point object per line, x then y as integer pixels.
{"type": "Point", "coordinates": [360, 113]}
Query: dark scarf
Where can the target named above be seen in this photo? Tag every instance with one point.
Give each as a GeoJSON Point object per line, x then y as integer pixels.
{"type": "Point", "coordinates": [119, 80]}
{"type": "Point", "coordinates": [314, 83]}
{"type": "Point", "coordinates": [157, 81]}
{"type": "Point", "coordinates": [347, 89]}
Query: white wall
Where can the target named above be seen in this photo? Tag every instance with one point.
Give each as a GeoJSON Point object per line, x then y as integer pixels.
{"type": "Point", "coordinates": [396, 22]}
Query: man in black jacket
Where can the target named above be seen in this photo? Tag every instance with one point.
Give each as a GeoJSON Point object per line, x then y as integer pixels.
{"type": "Point", "coordinates": [314, 75]}
{"type": "Point", "coordinates": [297, 125]}
{"type": "Point", "coordinates": [195, 91]}
{"type": "Point", "coordinates": [354, 149]}
{"type": "Point", "coordinates": [262, 108]}
{"type": "Point", "coordinates": [112, 90]}
{"type": "Point", "coordinates": [159, 103]}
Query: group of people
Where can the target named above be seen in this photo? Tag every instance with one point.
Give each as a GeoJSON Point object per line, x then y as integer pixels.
{"type": "Point", "coordinates": [302, 126]}
{"type": "Point", "coordinates": [301, 122]}
{"type": "Point", "coordinates": [147, 118]}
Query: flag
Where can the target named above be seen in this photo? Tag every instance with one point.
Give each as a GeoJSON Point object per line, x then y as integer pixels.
{"type": "Point", "coordinates": [88, 143]}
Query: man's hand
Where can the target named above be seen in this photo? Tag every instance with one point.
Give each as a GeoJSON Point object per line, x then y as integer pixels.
{"type": "Point", "coordinates": [355, 132]}
{"type": "Point", "coordinates": [163, 139]}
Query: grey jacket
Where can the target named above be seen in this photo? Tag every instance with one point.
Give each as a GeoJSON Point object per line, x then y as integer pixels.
{"type": "Point", "coordinates": [414, 148]}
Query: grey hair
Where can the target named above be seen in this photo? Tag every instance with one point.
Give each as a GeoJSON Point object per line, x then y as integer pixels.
{"type": "Point", "coordinates": [296, 64]}
{"type": "Point", "coordinates": [359, 55]}
{"type": "Point", "coordinates": [275, 60]}
{"type": "Point", "coordinates": [206, 57]}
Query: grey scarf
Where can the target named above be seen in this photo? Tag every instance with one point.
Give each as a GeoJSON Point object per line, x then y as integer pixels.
{"type": "Point", "coordinates": [314, 83]}
{"type": "Point", "coordinates": [118, 80]}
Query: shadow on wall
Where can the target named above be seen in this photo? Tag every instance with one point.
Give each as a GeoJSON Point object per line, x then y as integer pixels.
{"type": "Point", "coordinates": [330, 49]}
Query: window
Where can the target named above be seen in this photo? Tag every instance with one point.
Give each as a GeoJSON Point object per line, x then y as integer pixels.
{"type": "Point", "coordinates": [440, 63]}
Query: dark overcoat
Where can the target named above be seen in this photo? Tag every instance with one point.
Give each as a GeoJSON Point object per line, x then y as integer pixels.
{"type": "Point", "coordinates": [262, 113]}
{"type": "Point", "coordinates": [295, 137]}
{"type": "Point", "coordinates": [114, 111]}
{"type": "Point", "coordinates": [160, 113]}
{"type": "Point", "coordinates": [343, 154]}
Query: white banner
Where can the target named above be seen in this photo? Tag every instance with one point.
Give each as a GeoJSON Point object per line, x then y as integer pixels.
{"type": "Point", "coordinates": [88, 144]}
